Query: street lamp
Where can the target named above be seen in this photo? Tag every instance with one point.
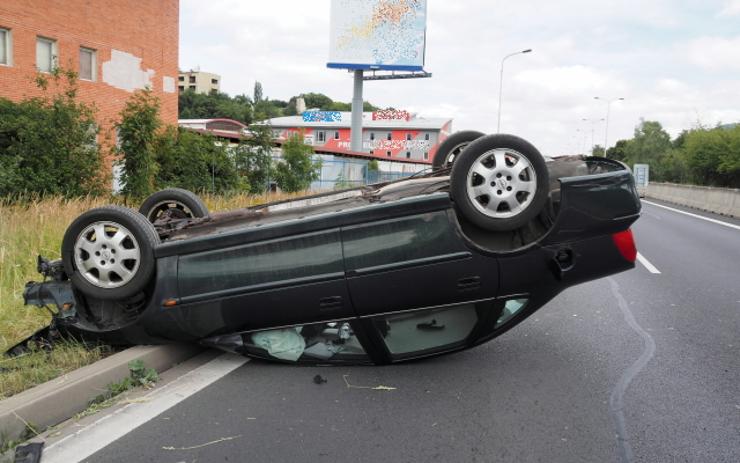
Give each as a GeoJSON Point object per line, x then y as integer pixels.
{"type": "Point", "coordinates": [608, 106]}
{"type": "Point", "coordinates": [593, 128]}
{"type": "Point", "coordinates": [501, 84]}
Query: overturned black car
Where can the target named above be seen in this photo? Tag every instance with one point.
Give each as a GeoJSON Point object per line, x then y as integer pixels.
{"type": "Point", "coordinates": [428, 265]}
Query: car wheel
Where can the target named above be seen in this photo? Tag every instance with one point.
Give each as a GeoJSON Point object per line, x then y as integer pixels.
{"type": "Point", "coordinates": [174, 203]}
{"type": "Point", "coordinates": [500, 182]}
{"type": "Point", "coordinates": [108, 252]}
{"type": "Point", "coordinates": [451, 148]}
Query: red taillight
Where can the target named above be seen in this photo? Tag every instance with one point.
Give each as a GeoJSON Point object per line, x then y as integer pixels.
{"type": "Point", "coordinates": [626, 244]}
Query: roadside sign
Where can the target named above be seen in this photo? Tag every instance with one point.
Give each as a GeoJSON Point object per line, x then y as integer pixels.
{"type": "Point", "coordinates": [641, 172]}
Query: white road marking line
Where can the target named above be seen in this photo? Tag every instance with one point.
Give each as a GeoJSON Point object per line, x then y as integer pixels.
{"type": "Point", "coordinates": [726, 224]}
{"type": "Point", "coordinates": [650, 267]}
{"type": "Point", "coordinates": [111, 427]}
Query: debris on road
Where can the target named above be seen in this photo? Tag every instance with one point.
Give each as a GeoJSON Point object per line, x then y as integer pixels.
{"type": "Point", "coordinates": [376, 388]}
{"type": "Point", "coordinates": [29, 453]}
{"type": "Point", "coordinates": [223, 439]}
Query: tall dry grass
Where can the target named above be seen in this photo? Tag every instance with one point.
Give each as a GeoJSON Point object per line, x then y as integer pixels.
{"type": "Point", "coordinates": [33, 226]}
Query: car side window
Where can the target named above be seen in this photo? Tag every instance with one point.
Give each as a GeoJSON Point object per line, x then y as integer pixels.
{"type": "Point", "coordinates": [424, 331]}
{"type": "Point", "coordinates": [317, 342]}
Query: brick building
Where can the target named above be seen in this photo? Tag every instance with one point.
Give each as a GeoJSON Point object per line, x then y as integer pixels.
{"type": "Point", "coordinates": [116, 46]}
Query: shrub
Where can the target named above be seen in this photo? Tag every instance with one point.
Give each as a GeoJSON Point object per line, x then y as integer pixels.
{"type": "Point", "coordinates": [137, 133]}
{"type": "Point", "coordinates": [253, 159]}
{"type": "Point", "coordinates": [195, 162]}
{"type": "Point", "coordinates": [297, 169]}
{"type": "Point", "coordinates": [48, 144]}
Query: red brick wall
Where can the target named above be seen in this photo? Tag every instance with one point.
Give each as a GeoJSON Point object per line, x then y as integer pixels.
{"type": "Point", "coordinates": [147, 29]}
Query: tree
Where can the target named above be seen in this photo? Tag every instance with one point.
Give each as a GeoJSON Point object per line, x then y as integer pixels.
{"type": "Point", "coordinates": [257, 95]}
{"type": "Point", "coordinates": [253, 159]}
{"type": "Point", "coordinates": [194, 105]}
{"type": "Point", "coordinates": [48, 144]}
{"type": "Point", "coordinates": [649, 144]}
{"type": "Point", "coordinates": [296, 170]}
{"type": "Point", "coordinates": [617, 152]}
{"type": "Point", "coordinates": [194, 161]}
{"type": "Point", "coordinates": [597, 150]}
{"type": "Point", "coordinates": [713, 156]}
{"type": "Point", "coordinates": [137, 132]}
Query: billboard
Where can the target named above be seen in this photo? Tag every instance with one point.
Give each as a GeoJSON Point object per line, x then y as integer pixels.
{"type": "Point", "coordinates": [378, 34]}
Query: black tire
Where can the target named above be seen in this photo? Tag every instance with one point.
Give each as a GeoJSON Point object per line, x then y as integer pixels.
{"type": "Point", "coordinates": [176, 202]}
{"type": "Point", "coordinates": [500, 183]}
{"type": "Point", "coordinates": [451, 148]}
{"type": "Point", "coordinates": [141, 236]}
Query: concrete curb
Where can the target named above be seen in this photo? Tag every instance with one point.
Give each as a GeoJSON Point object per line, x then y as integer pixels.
{"type": "Point", "coordinates": [57, 400]}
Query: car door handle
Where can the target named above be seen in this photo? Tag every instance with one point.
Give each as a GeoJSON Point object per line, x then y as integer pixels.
{"type": "Point", "coordinates": [330, 302]}
{"type": "Point", "coordinates": [468, 283]}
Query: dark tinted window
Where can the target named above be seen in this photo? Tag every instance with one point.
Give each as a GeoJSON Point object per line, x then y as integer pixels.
{"type": "Point", "coordinates": [426, 331]}
{"type": "Point", "coordinates": [317, 342]}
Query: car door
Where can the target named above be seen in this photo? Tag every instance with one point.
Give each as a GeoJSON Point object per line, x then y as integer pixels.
{"type": "Point", "coordinates": [277, 282]}
{"type": "Point", "coordinates": [413, 261]}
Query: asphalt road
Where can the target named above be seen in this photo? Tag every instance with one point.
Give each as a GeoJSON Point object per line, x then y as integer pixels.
{"type": "Point", "coordinates": [640, 367]}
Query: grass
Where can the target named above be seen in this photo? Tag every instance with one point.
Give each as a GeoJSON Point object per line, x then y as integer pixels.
{"type": "Point", "coordinates": [36, 226]}
{"type": "Point", "coordinates": [38, 366]}
{"type": "Point", "coordinates": [139, 375]}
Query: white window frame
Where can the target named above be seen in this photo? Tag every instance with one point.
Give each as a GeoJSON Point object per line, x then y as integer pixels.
{"type": "Point", "coordinates": [320, 136]}
{"type": "Point", "coordinates": [8, 47]}
{"type": "Point", "coordinates": [94, 64]}
{"type": "Point", "coordinates": [54, 53]}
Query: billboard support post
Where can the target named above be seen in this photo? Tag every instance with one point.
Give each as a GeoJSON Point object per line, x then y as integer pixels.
{"type": "Point", "coordinates": [357, 109]}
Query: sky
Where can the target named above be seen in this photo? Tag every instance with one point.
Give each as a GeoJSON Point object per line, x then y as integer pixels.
{"type": "Point", "coordinates": [677, 62]}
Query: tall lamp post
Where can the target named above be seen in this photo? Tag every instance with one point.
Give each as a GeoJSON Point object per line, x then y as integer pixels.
{"type": "Point", "coordinates": [501, 83]}
{"type": "Point", "coordinates": [608, 106]}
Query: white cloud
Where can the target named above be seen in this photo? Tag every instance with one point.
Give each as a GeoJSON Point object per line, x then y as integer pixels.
{"type": "Point", "coordinates": [715, 53]}
{"type": "Point", "coordinates": [647, 52]}
{"type": "Point", "coordinates": [731, 8]}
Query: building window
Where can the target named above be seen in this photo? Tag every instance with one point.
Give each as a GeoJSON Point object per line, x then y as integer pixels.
{"type": "Point", "coordinates": [388, 153]}
{"type": "Point", "coordinates": [372, 135]}
{"type": "Point", "coordinates": [372, 152]}
{"type": "Point", "coordinates": [408, 137]}
{"type": "Point", "coordinates": [336, 135]}
{"type": "Point", "coordinates": [5, 50]}
{"type": "Point", "coordinates": [426, 136]}
{"type": "Point", "coordinates": [181, 88]}
{"type": "Point", "coordinates": [88, 64]}
{"type": "Point", "coordinates": [192, 79]}
{"type": "Point", "coordinates": [181, 78]}
{"type": "Point", "coordinates": [426, 155]}
{"type": "Point", "coordinates": [46, 54]}
{"type": "Point", "coordinates": [214, 81]}
{"type": "Point", "coordinates": [408, 154]}
{"type": "Point", "coordinates": [191, 87]}
{"type": "Point", "coordinates": [390, 136]}
{"type": "Point", "coordinates": [320, 136]}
